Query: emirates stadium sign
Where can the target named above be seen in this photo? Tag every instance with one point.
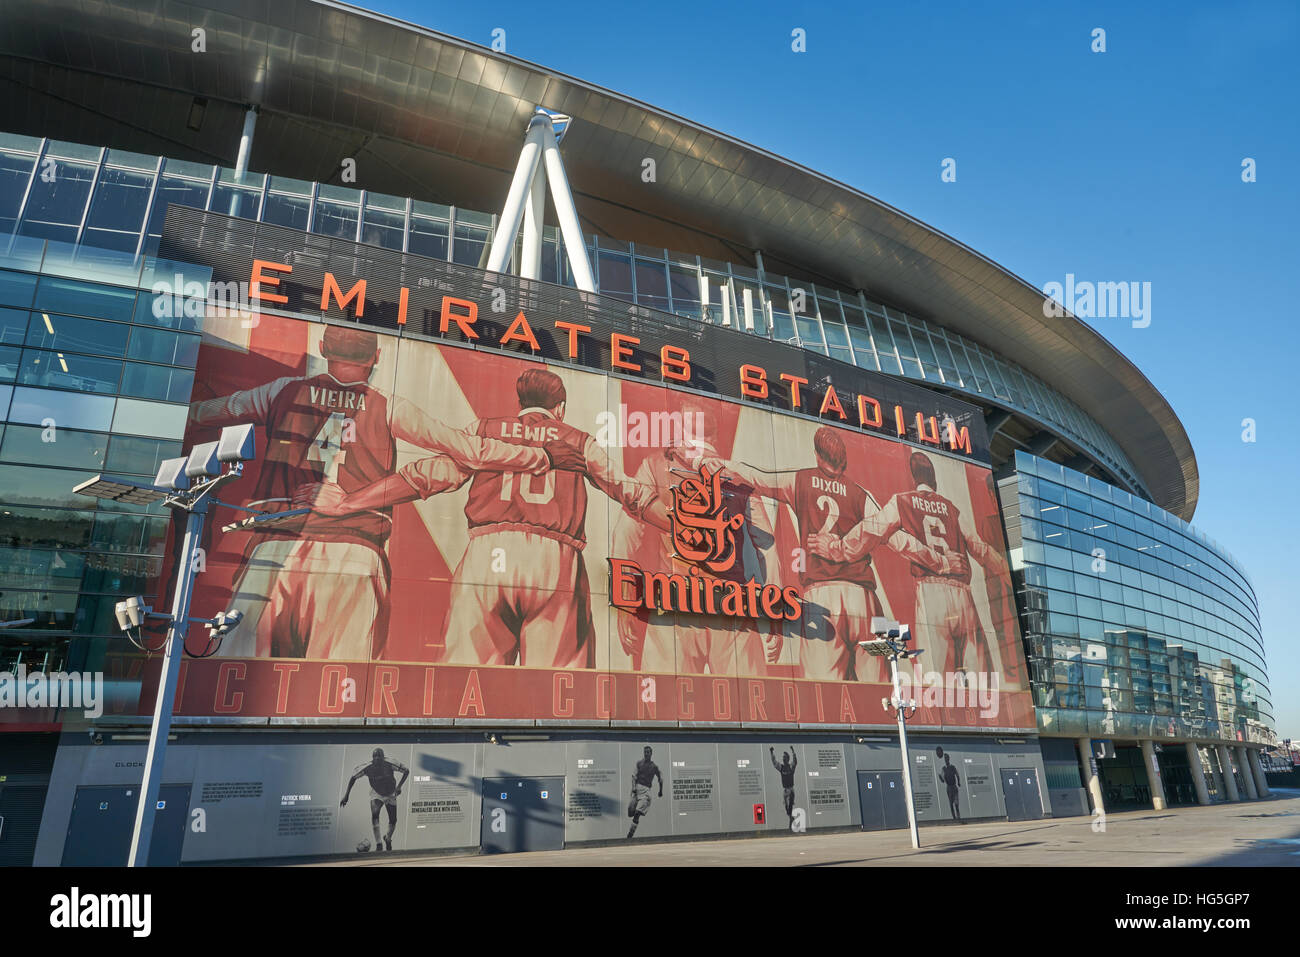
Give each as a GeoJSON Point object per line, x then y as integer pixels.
{"type": "Point", "coordinates": [704, 537]}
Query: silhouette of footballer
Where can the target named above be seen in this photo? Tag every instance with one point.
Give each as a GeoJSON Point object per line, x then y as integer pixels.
{"type": "Point", "coordinates": [948, 775]}
{"type": "Point", "coordinates": [384, 791]}
{"type": "Point", "coordinates": [789, 761]}
{"type": "Point", "coordinates": [642, 778]}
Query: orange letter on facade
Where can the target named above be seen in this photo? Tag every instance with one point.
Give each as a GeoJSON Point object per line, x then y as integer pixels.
{"type": "Point", "coordinates": [753, 382]}
{"type": "Point", "coordinates": [676, 363]}
{"type": "Point", "coordinates": [464, 319]}
{"type": "Point", "coordinates": [257, 279]}
{"type": "Point", "coordinates": [331, 288]}
{"type": "Point", "coordinates": [521, 331]}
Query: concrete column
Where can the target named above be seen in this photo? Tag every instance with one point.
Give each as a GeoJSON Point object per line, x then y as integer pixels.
{"type": "Point", "coordinates": [1154, 779]}
{"type": "Point", "coordinates": [246, 143]}
{"type": "Point", "coordinates": [1091, 779]}
{"type": "Point", "coordinates": [1247, 777]}
{"type": "Point", "coordinates": [1225, 769]}
{"type": "Point", "coordinates": [1198, 773]}
{"type": "Point", "coordinates": [1257, 769]}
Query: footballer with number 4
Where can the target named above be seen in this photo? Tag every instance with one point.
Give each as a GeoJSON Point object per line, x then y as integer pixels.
{"type": "Point", "coordinates": [315, 585]}
{"type": "Point", "coordinates": [946, 618]}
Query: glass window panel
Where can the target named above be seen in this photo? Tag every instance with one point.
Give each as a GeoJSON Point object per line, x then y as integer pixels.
{"type": "Point", "coordinates": [810, 333]}
{"type": "Point", "coordinates": [889, 361]}
{"type": "Point", "coordinates": [290, 211]}
{"type": "Point", "coordinates": [684, 284]}
{"type": "Point", "coordinates": [57, 201]}
{"type": "Point", "coordinates": [383, 228]}
{"type": "Point", "coordinates": [428, 238]}
{"type": "Point", "coordinates": [84, 299]}
{"type": "Point", "coordinates": [236, 201]}
{"type": "Point", "coordinates": [150, 418]}
{"type": "Point", "coordinates": [120, 200]}
{"type": "Point", "coordinates": [15, 171]}
{"type": "Point", "coordinates": [335, 219]}
{"type": "Point", "coordinates": [71, 334]}
{"type": "Point", "coordinates": [652, 284]}
{"type": "Point", "coordinates": [471, 244]}
{"type": "Point", "coordinates": [16, 289]}
{"type": "Point", "coordinates": [159, 345]}
{"type": "Point", "coordinates": [862, 349]}
{"type": "Point", "coordinates": [615, 276]}
{"type": "Point", "coordinates": [13, 326]}
{"type": "Point", "coordinates": [139, 456]}
{"type": "Point", "coordinates": [82, 373]}
{"type": "Point", "coordinates": [157, 382]}
{"type": "Point", "coordinates": [10, 359]}
{"type": "Point", "coordinates": [71, 410]}
{"type": "Point", "coordinates": [83, 450]}
{"type": "Point", "coordinates": [178, 191]}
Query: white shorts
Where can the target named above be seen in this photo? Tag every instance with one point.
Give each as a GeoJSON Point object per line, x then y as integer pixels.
{"type": "Point", "coordinates": [947, 624]}
{"type": "Point", "coordinates": [837, 615]}
{"type": "Point", "coordinates": [520, 598]}
{"type": "Point", "coordinates": [309, 599]}
{"type": "Point", "coordinates": [680, 645]}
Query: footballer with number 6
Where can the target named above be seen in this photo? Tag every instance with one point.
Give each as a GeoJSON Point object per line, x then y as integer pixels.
{"type": "Point", "coordinates": [840, 596]}
{"type": "Point", "coordinates": [385, 789]}
{"type": "Point", "coordinates": [946, 618]}
{"type": "Point", "coordinates": [316, 585]}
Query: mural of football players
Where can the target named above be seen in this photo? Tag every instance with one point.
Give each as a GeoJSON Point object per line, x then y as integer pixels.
{"type": "Point", "coordinates": [537, 611]}
{"type": "Point", "coordinates": [839, 592]}
{"type": "Point", "coordinates": [685, 644]}
{"type": "Point", "coordinates": [947, 623]}
{"type": "Point", "coordinates": [316, 585]}
{"type": "Point", "coordinates": [385, 789]}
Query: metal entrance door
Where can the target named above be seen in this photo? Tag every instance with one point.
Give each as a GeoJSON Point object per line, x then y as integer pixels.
{"type": "Point", "coordinates": [522, 814]}
{"type": "Point", "coordinates": [1024, 801]}
{"type": "Point", "coordinates": [99, 830]}
{"type": "Point", "coordinates": [881, 797]}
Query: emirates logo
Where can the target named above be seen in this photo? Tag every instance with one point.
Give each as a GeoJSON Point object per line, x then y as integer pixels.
{"type": "Point", "coordinates": [701, 529]}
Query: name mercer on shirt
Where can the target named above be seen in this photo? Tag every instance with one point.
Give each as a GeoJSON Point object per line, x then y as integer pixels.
{"type": "Point", "coordinates": [338, 398]}
{"type": "Point", "coordinates": [931, 506]}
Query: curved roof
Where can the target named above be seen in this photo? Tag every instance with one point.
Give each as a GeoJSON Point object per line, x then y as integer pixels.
{"type": "Point", "coordinates": [432, 116]}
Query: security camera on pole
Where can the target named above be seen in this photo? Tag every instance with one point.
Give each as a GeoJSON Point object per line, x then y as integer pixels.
{"type": "Point", "coordinates": [891, 642]}
{"type": "Point", "coordinates": [185, 485]}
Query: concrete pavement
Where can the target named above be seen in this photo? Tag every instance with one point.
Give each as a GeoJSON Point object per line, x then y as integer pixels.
{"type": "Point", "coordinates": [1255, 833]}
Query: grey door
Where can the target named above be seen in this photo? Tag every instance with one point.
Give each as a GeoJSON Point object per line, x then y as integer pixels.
{"type": "Point", "coordinates": [891, 789]}
{"type": "Point", "coordinates": [869, 797]}
{"type": "Point", "coordinates": [881, 796]}
{"type": "Point", "coordinates": [522, 814]}
{"type": "Point", "coordinates": [1012, 795]}
{"type": "Point", "coordinates": [99, 831]}
{"type": "Point", "coordinates": [1030, 799]}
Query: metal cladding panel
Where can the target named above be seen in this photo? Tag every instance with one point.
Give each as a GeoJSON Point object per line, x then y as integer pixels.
{"type": "Point", "coordinates": [229, 246]}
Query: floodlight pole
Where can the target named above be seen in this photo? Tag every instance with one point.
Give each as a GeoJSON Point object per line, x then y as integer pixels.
{"type": "Point", "coordinates": [146, 811]}
{"type": "Point", "coordinates": [902, 743]}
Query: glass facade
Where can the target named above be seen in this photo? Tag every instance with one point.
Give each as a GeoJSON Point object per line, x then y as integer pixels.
{"type": "Point", "coordinates": [1136, 624]}
{"type": "Point", "coordinates": [91, 379]}
{"type": "Point", "coordinates": [117, 201]}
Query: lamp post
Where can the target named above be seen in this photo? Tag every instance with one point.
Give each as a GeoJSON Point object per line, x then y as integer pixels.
{"type": "Point", "coordinates": [891, 642]}
{"type": "Point", "coordinates": [185, 485]}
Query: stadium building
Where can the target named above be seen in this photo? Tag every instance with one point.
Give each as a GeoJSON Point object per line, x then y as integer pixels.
{"type": "Point", "coordinates": [602, 437]}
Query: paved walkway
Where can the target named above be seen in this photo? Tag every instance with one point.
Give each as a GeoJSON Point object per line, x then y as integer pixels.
{"type": "Point", "coordinates": [1252, 833]}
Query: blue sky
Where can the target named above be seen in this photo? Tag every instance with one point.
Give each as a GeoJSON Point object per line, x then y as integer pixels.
{"type": "Point", "coordinates": [1115, 166]}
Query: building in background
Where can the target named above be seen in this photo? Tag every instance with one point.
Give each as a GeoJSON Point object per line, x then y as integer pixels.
{"type": "Point", "coordinates": [369, 148]}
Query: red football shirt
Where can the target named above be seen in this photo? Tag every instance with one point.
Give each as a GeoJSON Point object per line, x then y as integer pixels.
{"type": "Point", "coordinates": [835, 505]}
{"type": "Point", "coordinates": [935, 521]}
